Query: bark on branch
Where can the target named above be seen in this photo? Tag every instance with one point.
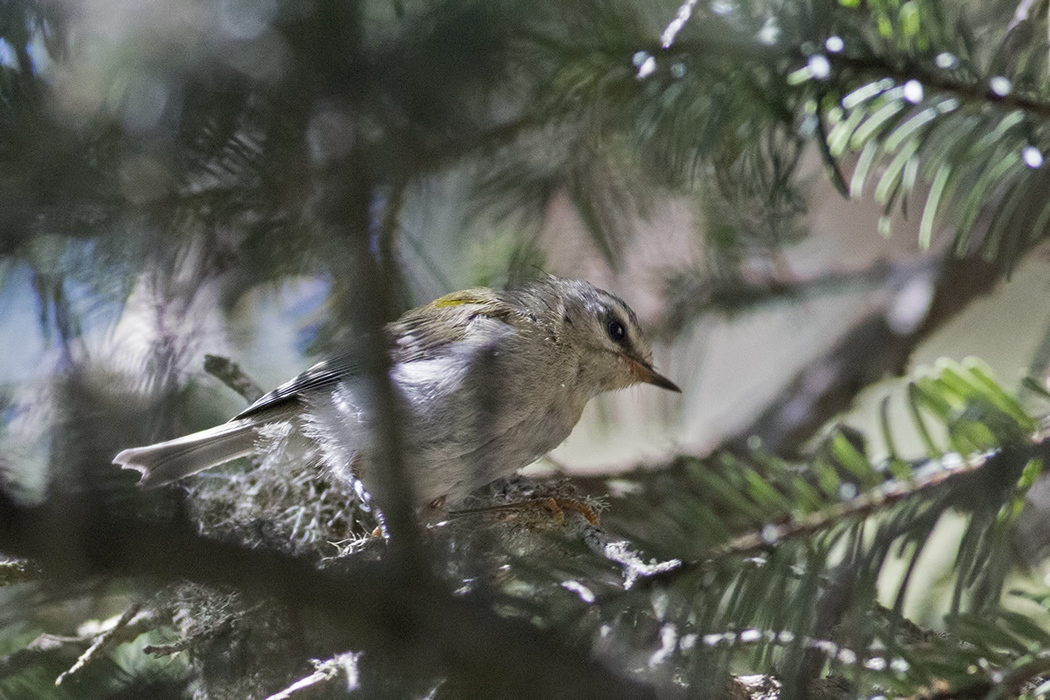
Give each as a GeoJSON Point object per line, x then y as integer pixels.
{"type": "Point", "coordinates": [369, 606]}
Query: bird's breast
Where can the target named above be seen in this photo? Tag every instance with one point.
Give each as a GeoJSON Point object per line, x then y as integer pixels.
{"type": "Point", "coordinates": [477, 417]}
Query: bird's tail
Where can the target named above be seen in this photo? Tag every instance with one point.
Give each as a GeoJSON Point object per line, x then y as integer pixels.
{"type": "Point", "coordinates": [169, 461]}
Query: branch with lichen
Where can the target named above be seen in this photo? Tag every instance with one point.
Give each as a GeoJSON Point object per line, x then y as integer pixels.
{"type": "Point", "coordinates": [325, 671]}
{"type": "Point", "coordinates": [127, 626]}
{"type": "Point", "coordinates": [370, 606]}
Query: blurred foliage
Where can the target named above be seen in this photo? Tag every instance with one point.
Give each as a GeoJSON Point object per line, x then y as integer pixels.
{"type": "Point", "coordinates": [141, 146]}
{"type": "Point", "coordinates": [162, 162]}
{"type": "Point", "coordinates": [786, 564]}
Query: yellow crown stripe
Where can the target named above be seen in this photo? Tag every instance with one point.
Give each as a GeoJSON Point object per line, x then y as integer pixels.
{"type": "Point", "coordinates": [458, 299]}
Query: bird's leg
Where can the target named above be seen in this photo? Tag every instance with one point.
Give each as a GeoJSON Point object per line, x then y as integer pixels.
{"type": "Point", "coordinates": [380, 530]}
{"type": "Point", "coordinates": [365, 499]}
{"type": "Point", "coordinates": [434, 512]}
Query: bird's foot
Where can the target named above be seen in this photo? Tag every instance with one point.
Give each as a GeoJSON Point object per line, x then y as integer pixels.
{"type": "Point", "coordinates": [556, 506]}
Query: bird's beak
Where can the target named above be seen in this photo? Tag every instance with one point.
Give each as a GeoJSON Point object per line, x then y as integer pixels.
{"type": "Point", "coordinates": [644, 372]}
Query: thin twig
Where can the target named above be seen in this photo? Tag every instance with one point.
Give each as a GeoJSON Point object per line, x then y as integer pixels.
{"type": "Point", "coordinates": [938, 472]}
{"type": "Point", "coordinates": [862, 506]}
{"type": "Point", "coordinates": [230, 373]}
{"type": "Point", "coordinates": [864, 67]}
{"type": "Point", "coordinates": [114, 635]}
{"type": "Point", "coordinates": [325, 671]}
{"type": "Point", "coordinates": [168, 649]}
{"type": "Point", "coordinates": [696, 295]}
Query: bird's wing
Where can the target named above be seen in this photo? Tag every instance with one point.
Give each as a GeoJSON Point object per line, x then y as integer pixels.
{"type": "Point", "coordinates": [429, 330]}
{"type": "Point", "coordinates": [421, 333]}
{"type": "Point", "coordinates": [326, 373]}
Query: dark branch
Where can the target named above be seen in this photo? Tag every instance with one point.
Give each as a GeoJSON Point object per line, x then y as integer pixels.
{"type": "Point", "coordinates": [692, 295]}
{"type": "Point", "coordinates": [876, 347]}
{"type": "Point", "coordinates": [230, 373]}
{"type": "Point", "coordinates": [369, 606]}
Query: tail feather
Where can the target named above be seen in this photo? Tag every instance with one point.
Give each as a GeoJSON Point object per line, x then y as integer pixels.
{"type": "Point", "coordinates": [172, 460]}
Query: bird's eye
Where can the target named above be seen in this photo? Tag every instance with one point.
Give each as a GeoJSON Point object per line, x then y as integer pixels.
{"type": "Point", "coordinates": [614, 327]}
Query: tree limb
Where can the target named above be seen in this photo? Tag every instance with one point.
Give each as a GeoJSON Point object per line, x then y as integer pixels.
{"type": "Point", "coordinates": [875, 348]}
{"type": "Point", "coordinates": [370, 605]}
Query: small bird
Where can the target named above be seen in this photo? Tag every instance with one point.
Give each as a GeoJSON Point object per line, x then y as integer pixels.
{"type": "Point", "coordinates": [487, 382]}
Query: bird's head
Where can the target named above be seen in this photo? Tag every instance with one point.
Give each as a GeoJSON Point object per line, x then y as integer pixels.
{"type": "Point", "coordinates": [604, 333]}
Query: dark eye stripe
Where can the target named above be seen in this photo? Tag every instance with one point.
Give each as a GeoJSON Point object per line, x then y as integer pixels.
{"type": "Point", "coordinates": [616, 330]}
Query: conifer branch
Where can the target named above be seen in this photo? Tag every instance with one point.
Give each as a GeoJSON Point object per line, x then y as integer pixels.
{"type": "Point", "coordinates": [929, 475]}
{"type": "Point", "coordinates": [870, 68]}
{"type": "Point", "coordinates": [371, 605]}
{"type": "Point", "coordinates": [863, 506]}
{"type": "Point", "coordinates": [872, 350]}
